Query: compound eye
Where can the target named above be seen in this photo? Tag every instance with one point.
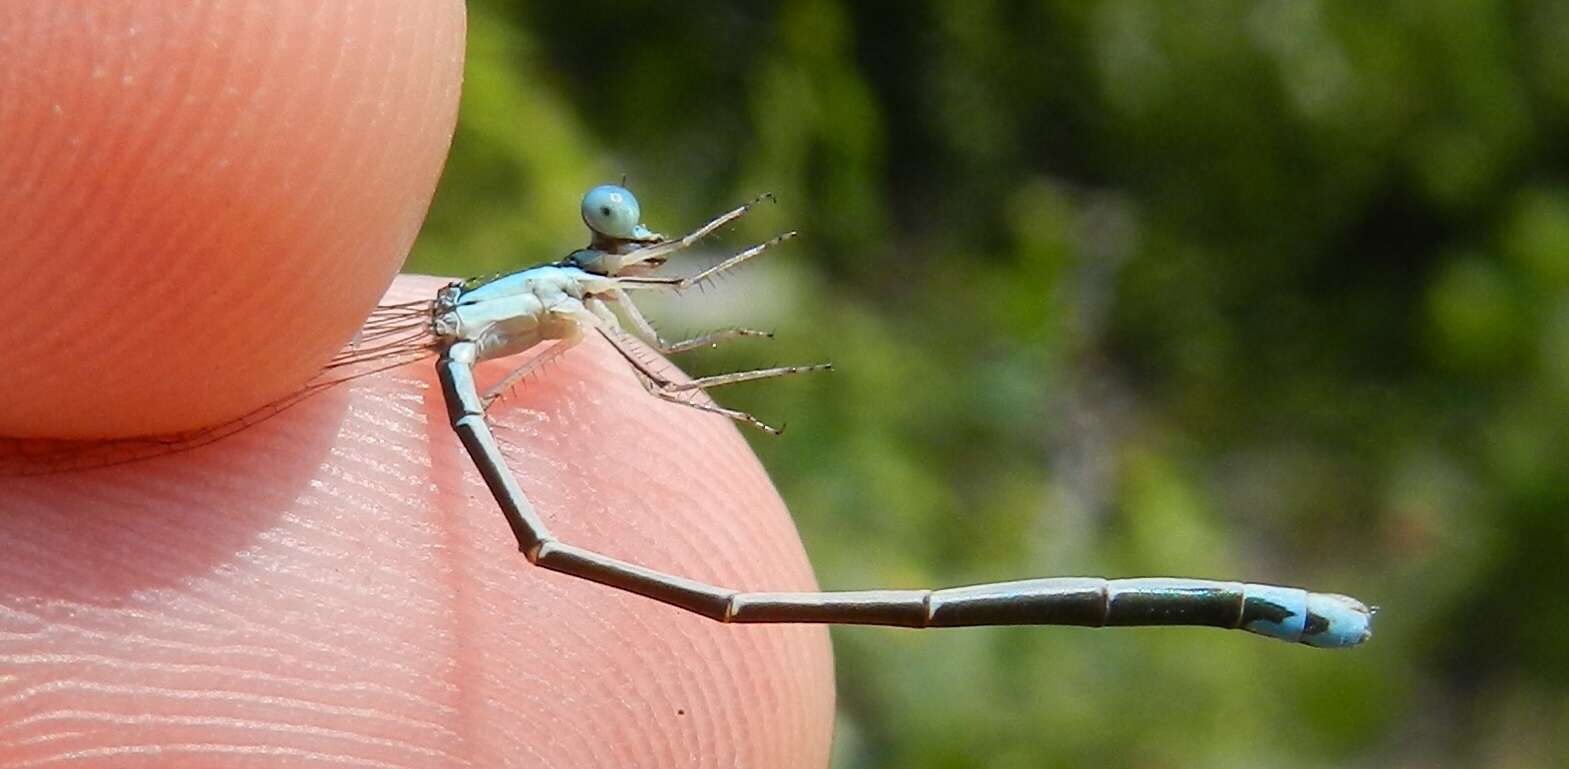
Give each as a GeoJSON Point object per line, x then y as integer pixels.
{"type": "Point", "coordinates": [612, 211]}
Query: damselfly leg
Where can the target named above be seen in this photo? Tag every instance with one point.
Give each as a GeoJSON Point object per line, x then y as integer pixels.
{"type": "Point", "coordinates": [682, 393]}
{"type": "Point", "coordinates": [678, 283]}
{"type": "Point", "coordinates": [529, 366]}
{"type": "Point", "coordinates": [709, 339]}
{"type": "Point", "coordinates": [646, 330]}
{"type": "Point", "coordinates": [651, 335]}
{"type": "Point", "coordinates": [664, 249]}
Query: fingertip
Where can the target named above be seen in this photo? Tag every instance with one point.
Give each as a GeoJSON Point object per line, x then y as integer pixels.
{"type": "Point", "coordinates": [338, 582]}
{"type": "Point", "coordinates": [202, 206]}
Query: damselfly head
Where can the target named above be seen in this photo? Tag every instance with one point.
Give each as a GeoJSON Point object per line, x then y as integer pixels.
{"type": "Point", "coordinates": [613, 216]}
{"type": "Point", "coordinates": [617, 245]}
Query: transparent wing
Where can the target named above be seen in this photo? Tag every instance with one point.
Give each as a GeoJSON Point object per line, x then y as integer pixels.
{"type": "Point", "coordinates": [394, 335]}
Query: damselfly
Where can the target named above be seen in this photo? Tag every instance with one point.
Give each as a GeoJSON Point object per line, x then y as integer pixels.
{"type": "Point", "coordinates": [543, 312]}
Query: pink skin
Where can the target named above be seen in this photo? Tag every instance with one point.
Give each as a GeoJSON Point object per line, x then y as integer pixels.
{"type": "Point", "coordinates": [335, 585]}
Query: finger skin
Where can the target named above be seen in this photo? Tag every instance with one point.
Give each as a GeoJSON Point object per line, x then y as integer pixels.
{"type": "Point", "coordinates": [202, 200]}
{"type": "Point", "coordinates": [333, 586]}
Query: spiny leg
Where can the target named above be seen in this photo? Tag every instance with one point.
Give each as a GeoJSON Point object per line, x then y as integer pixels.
{"type": "Point", "coordinates": [680, 393]}
{"type": "Point", "coordinates": [710, 339]}
{"type": "Point", "coordinates": [643, 281]}
{"type": "Point", "coordinates": [528, 367]}
{"type": "Point", "coordinates": [671, 246]}
{"type": "Point", "coordinates": [1290, 614]}
{"type": "Point", "coordinates": [649, 334]}
{"type": "Point", "coordinates": [661, 389]}
{"type": "Point", "coordinates": [736, 377]}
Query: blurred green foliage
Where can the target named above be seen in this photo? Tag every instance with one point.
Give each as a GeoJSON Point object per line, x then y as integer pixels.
{"type": "Point", "coordinates": [1265, 290]}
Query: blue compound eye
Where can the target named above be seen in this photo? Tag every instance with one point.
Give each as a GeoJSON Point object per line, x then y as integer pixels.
{"type": "Point", "coordinates": [612, 211]}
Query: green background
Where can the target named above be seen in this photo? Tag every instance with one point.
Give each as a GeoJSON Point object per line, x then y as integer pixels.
{"type": "Point", "coordinates": [1265, 290]}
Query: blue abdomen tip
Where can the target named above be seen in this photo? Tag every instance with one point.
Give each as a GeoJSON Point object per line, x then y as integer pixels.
{"type": "Point", "coordinates": [1334, 621]}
